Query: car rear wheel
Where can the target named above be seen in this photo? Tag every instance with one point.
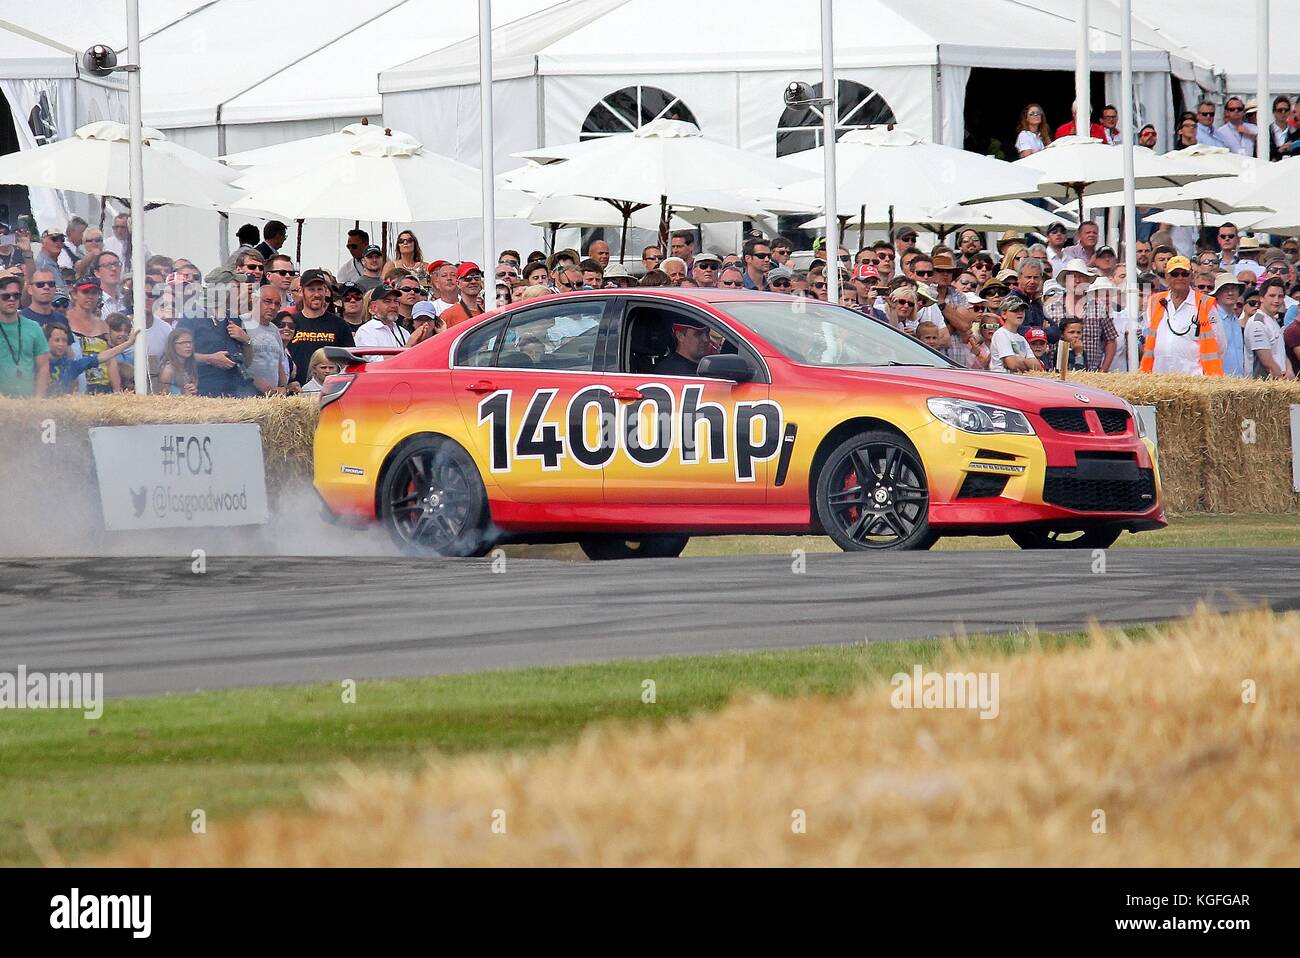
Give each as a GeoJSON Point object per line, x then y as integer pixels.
{"type": "Point", "coordinates": [646, 547]}
{"type": "Point", "coordinates": [1051, 539]}
{"type": "Point", "coordinates": [872, 494]}
{"type": "Point", "coordinates": [432, 501]}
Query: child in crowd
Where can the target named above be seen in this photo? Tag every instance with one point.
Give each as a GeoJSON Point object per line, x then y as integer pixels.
{"type": "Point", "coordinates": [1037, 340]}
{"type": "Point", "coordinates": [119, 331]}
{"type": "Point", "coordinates": [1072, 335]}
{"type": "Point", "coordinates": [929, 334]}
{"type": "Point", "coordinates": [1008, 350]}
{"type": "Point", "coordinates": [64, 368]}
{"type": "Point", "coordinates": [320, 368]}
{"type": "Point", "coordinates": [178, 374]}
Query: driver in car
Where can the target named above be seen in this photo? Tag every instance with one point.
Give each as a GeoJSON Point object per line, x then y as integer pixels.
{"type": "Point", "coordinates": [692, 343]}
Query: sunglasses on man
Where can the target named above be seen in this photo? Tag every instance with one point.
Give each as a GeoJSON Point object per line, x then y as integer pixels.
{"type": "Point", "coordinates": [775, 284]}
{"type": "Point", "coordinates": [733, 283]}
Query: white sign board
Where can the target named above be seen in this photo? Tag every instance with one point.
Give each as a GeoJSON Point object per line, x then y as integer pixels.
{"type": "Point", "coordinates": [180, 476]}
{"type": "Point", "coordinates": [1147, 416]}
{"type": "Point", "coordinates": [1295, 448]}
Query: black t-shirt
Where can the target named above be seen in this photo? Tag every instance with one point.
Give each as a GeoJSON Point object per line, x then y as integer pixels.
{"type": "Point", "coordinates": [56, 317]}
{"type": "Point", "coordinates": [329, 329]}
{"type": "Point", "coordinates": [675, 364]}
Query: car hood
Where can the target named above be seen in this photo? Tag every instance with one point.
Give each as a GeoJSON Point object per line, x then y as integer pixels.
{"type": "Point", "coordinates": [1028, 393]}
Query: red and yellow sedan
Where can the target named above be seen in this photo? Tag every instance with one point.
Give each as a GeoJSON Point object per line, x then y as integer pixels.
{"type": "Point", "coordinates": [630, 420]}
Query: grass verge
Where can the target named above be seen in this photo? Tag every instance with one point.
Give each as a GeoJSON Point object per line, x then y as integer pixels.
{"type": "Point", "coordinates": [74, 787]}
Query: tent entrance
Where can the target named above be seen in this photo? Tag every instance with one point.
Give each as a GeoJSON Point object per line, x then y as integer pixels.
{"type": "Point", "coordinates": [995, 97]}
{"type": "Point", "coordinates": [14, 200]}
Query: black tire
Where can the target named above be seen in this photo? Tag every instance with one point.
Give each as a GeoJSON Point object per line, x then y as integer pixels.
{"type": "Point", "coordinates": [872, 494]}
{"type": "Point", "coordinates": [1051, 539]}
{"type": "Point", "coordinates": [600, 548]}
{"type": "Point", "coordinates": [432, 500]}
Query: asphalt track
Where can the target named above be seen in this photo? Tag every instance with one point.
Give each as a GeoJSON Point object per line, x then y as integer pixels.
{"type": "Point", "coordinates": [153, 626]}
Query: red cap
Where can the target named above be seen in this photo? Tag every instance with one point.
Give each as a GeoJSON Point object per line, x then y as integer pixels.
{"type": "Point", "coordinates": [436, 265]}
{"type": "Point", "coordinates": [866, 271]}
{"type": "Point", "coordinates": [1035, 335]}
{"type": "Point", "coordinates": [464, 269]}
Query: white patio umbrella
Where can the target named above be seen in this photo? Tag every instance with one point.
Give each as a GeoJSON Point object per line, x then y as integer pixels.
{"type": "Point", "coordinates": [94, 160]}
{"type": "Point", "coordinates": [663, 163]}
{"type": "Point", "coordinates": [1074, 166]}
{"type": "Point", "coordinates": [389, 177]}
{"type": "Point", "coordinates": [296, 151]}
{"type": "Point", "coordinates": [986, 217]}
{"type": "Point", "coordinates": [879, 169]}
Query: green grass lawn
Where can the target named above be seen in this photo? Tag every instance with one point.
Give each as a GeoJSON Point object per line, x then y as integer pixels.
{"type": "Point", "coordinates": [81, 786]}
{"type": "Point", "coordinates": [1183, 532]}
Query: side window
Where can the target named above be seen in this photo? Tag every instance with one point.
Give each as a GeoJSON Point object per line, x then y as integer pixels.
{"type": "Point", "coordinates": [478, 347]}
{"type": "Point", "coordinates": [649, 338]}
{"type": "Point", "coordinates": [560, 335]}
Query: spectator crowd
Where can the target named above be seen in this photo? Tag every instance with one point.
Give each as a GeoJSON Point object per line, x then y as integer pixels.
{"type": "Point", "coordinates": [1213, 302]}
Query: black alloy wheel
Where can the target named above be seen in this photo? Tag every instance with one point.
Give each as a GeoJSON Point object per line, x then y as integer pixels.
{"type": "Point", "coordinates": [598, 548]}
{"type": "Point", "coordinates": [1052, 539]}
{"type": "Point", "coordinates": [432, 501]}
{"type": "Point", "coordinates": [872, 494]}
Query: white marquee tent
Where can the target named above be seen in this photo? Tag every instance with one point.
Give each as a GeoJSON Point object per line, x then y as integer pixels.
{"type": "Point", "coordinates": [728, 67]}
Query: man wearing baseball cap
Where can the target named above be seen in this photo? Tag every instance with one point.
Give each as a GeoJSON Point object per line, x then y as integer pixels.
{"type": "Point", "coordinates": [469, 295]}
{"type": "Point", "coordinates": [704, 270]}
{"type": "Point", "coordinates": [1181, 337]}
{"type": "Point", "coordinates": [317, 327]}
{"type": "Point", "coordinates": [381, 330]}
{"type": "Point", "coordinates": [442, 277]}
{"type": "Point", "coordinates": [372, 269]}
{"type": "Point", "coordinates": [691, 343]}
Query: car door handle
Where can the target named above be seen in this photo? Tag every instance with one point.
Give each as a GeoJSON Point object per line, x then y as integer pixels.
{"type": "Point", "coordinates": [481, 386]}
{"type": "Point", "coordinates": [627, 395]}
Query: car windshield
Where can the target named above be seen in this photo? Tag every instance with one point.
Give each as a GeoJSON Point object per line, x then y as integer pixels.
{"type": "Point", "coordinates": [818, 334]}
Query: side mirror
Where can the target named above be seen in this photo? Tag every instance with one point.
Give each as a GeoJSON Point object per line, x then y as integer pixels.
{"type": "Point", "coordinates": [726, 366]}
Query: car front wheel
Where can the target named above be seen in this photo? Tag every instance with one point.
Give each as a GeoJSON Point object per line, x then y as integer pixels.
{"type": "Point", "coordinates": [432, 500]}
{"type": "Point", "coordinates": [872, 494]}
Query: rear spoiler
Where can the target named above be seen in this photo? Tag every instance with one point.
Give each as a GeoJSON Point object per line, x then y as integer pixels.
{"type": "Point", "coordinates": [345, 356]}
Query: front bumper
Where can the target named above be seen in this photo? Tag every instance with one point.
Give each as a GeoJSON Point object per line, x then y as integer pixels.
{"type": "Point", "coordinates": [1062, 481]}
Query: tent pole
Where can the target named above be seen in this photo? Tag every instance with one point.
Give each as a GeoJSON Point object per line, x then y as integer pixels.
{"type": "Point", "coordinates": [1131, 297]}
{"type": "Point", "coordinates": [663, 223]}
{"type": "Point", "coordinates": [138, 304]}
{"type": "Point", "coordinates": [830, 117]}
{"type": "Point", "coordinates": [486, 131]}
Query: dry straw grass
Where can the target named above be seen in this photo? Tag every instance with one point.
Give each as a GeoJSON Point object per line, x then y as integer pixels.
{"type": "Point", "coordinates": [287, 427]}
{"type": "Point", "coordinates": [1153, 734]}
{"type": "Point", "coordinates": [1206, 461]}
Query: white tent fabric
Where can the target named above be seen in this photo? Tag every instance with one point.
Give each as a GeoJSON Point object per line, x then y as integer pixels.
{"type": "Point", "coordinates": [730, 70]}
{"type": "Point", "coordinates": [1226, 31]}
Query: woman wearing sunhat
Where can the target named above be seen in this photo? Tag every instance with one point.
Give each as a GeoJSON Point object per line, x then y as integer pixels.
{"type": "Point", "coordinates": [1182, 336]}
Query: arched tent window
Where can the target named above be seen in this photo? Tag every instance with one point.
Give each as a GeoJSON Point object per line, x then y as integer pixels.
{"type": "Point", "coordinates": [800, 128]}
{"type": "Point", "coordinates": [629, 109]}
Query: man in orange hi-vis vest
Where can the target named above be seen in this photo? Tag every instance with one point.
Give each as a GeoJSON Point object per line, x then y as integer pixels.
{"type": "Point", "coordinates": [1182, 337]}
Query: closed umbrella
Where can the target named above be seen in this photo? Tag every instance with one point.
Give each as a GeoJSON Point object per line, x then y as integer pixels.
{"type": "Point", "coordinates": [94, 160]}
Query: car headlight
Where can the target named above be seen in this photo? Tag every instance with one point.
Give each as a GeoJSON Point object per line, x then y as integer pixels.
{"type": "Point", "coordinates": [980, 418]}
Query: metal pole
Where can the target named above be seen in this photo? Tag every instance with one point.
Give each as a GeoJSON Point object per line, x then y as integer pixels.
{"type": "Point", "coordinates": [1131, 298]}
{"type": "Point", "coordinates": [830, 115]}
{"type": "Point", "coordinates": [1082, 78]}
{"type": "Point", "coordinates": [1264, 117]}
{"type": "Point", "coordinates": [138, 306]}
{"type": "Point", "coordinates": [485, 119]}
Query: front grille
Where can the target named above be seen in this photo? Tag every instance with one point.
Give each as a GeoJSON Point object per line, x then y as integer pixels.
{"type": "Point", "coordinates": [982, 486]}
{"type": "Point", "coordinates": [1113, 421]}
{"type": "Point", "coordinates": [1065, 420]}
{"type": "Point", "coordinates": [1064, 488]}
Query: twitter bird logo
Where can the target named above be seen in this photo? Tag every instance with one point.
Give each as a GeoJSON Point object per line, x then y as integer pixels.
{"type": "Point", "coordinates": [138, 500]}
